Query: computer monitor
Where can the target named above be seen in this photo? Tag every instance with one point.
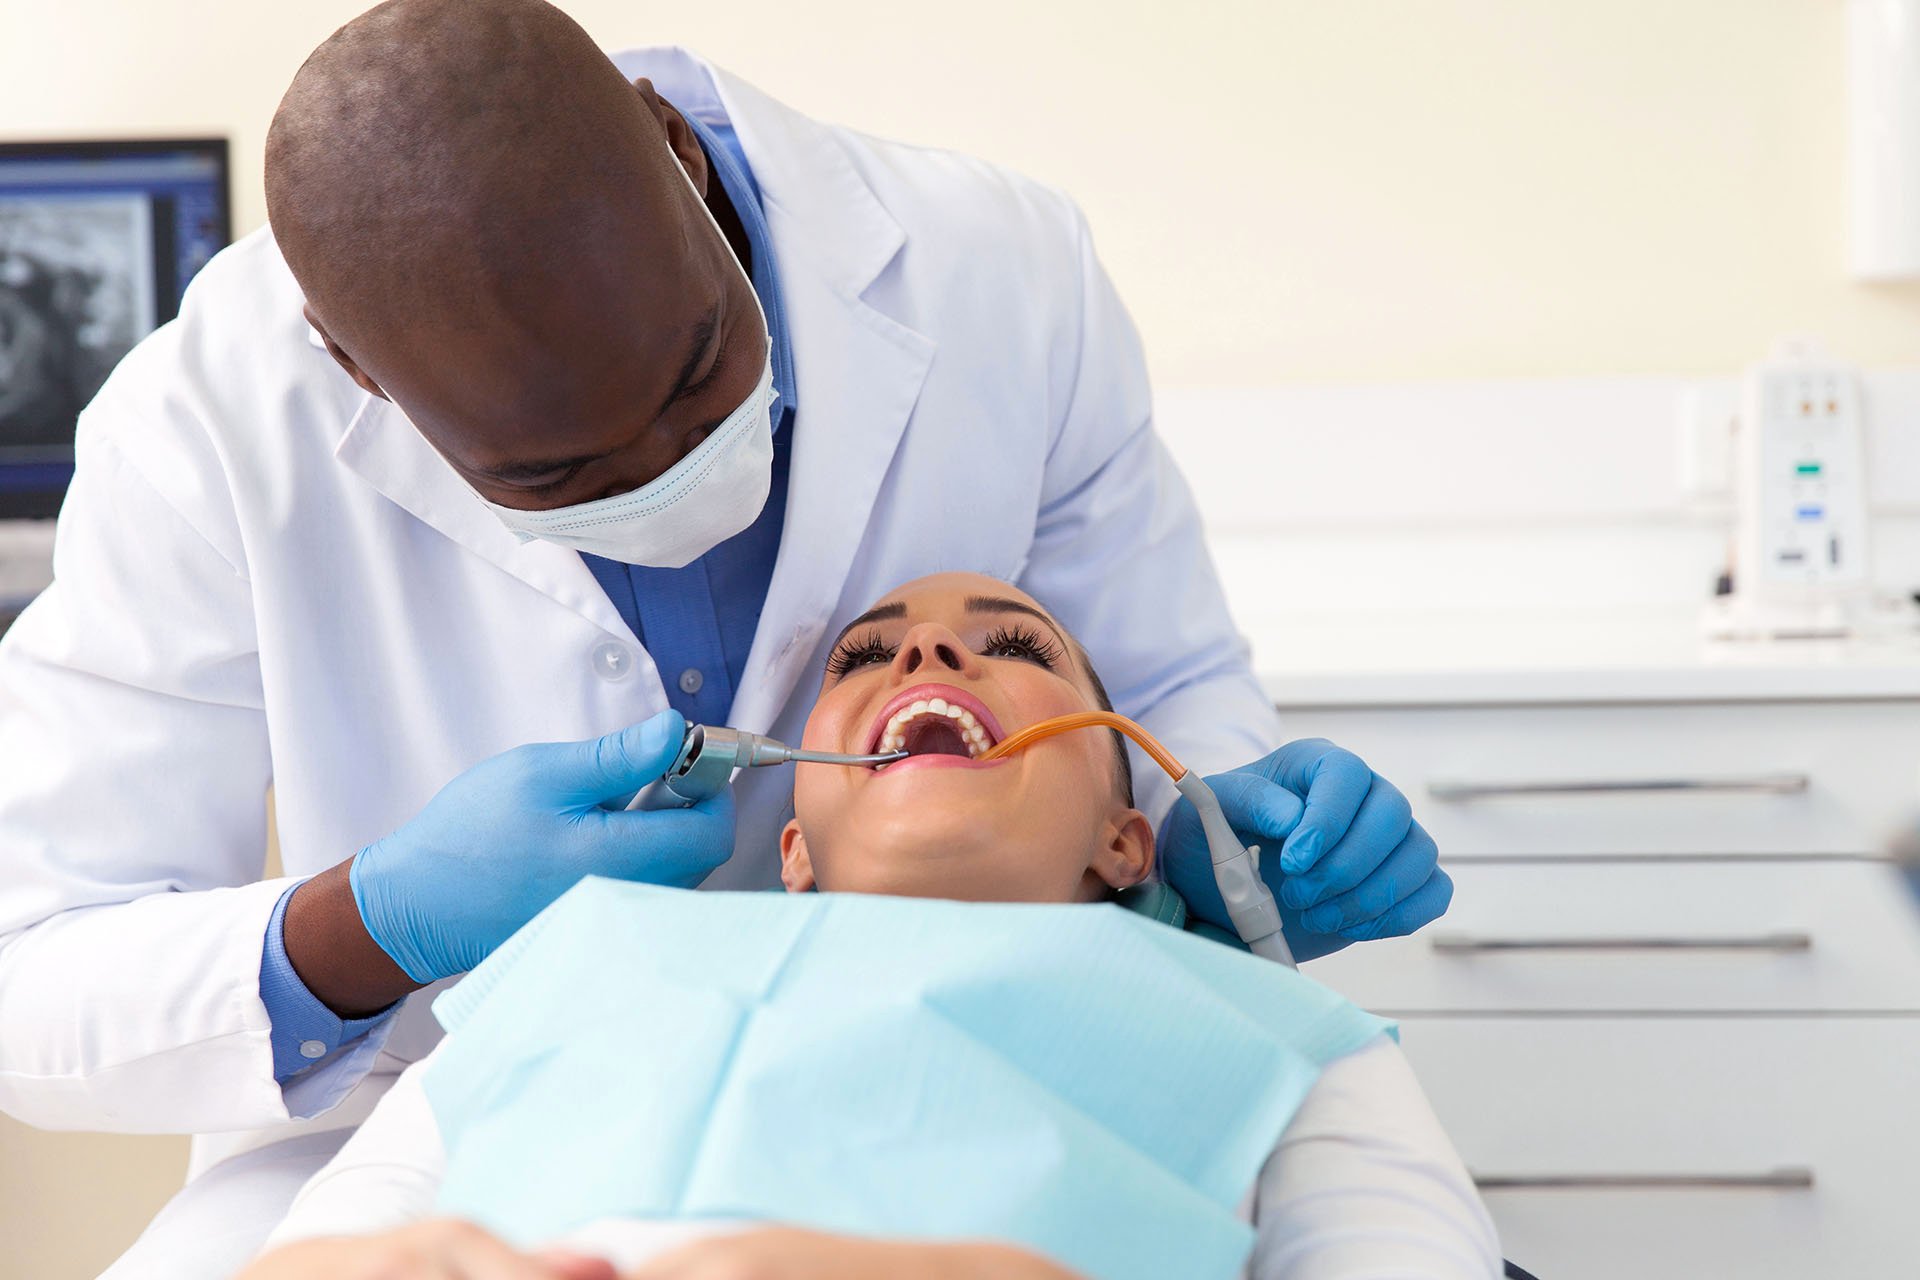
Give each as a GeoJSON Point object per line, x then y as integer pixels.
{"type": "Point", "coordinates": [98, 240]}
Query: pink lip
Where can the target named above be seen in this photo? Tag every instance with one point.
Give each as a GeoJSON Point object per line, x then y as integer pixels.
{"type": "Point", "coordinates": [953, 696]}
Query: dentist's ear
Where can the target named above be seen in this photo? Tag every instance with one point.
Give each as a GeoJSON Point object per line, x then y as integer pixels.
{"type": "Point", "coordinates": [796, 865]}
{"type": "Point", "coordinates": [1125, 856]}
{"type": "Point", "coordinates": [361, 377]}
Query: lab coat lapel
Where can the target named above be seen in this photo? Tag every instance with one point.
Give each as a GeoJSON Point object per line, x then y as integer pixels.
{"type": "Point", "coordinates": [858, 374]}
{"type": "Point", "coordinates": [385, 450]}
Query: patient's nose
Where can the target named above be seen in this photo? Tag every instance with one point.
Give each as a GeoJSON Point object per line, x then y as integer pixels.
{"type": "Point", "coordinates": [932, 648]}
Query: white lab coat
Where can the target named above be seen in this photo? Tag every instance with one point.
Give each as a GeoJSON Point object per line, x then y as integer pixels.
{"type": "Point", "coordinates": [266, 577]}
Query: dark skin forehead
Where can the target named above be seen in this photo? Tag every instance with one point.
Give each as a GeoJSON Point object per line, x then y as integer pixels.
{"type": "Point", "coordinates": [499, 233]}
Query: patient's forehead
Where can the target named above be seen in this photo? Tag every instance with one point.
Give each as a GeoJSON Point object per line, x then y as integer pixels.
{"type": "Point", "coordinates": [952, 589]}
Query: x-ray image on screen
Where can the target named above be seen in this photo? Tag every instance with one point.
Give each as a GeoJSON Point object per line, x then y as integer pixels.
{"type": "Point", "coordinates": [76, 293]}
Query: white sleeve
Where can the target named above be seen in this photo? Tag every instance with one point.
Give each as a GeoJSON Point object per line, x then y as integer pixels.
{"type": "Point", "coordinates": [1119, 554]}
{"type": "Point", "coordinates": [134, 766]}
{"type": "Point", "coordinates": [386, 1175]}
{"type": "Point", "coordinates": [1365, 1184]}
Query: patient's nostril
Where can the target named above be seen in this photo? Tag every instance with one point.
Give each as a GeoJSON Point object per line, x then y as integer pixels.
{"type": "Point", "coordinates": [913, 660]}
{"type": "Point", "coordinates": [947, 656]}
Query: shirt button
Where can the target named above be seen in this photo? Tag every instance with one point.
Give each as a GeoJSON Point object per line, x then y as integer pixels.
{"type": "Point", "coordinates": [613, 661]}
{"type": "Point", "coordinates": [313, 1048]}
{"type": "Point", "coordinates": [691, 680]}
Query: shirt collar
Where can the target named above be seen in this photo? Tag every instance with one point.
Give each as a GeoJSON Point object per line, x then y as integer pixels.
{"type": "Point", "coordinates": [729, 165]}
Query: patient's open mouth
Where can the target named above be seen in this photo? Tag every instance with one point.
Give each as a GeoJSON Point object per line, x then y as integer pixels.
{"type": "Point", "coordinates": [936, 721]}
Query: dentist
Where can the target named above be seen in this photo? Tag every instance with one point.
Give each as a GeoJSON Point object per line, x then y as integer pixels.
{"type": "Point", "coordinates": [567, 400]}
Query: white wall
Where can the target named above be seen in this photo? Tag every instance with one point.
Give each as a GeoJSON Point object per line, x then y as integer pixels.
{"type": "Point", "coordinates": [1286, 189]}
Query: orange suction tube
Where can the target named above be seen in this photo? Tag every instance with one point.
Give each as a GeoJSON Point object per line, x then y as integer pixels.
{"type": "Point", "coordinates": [1044, 729]}
{"type": "Point", "coordinates": [1236, 868]}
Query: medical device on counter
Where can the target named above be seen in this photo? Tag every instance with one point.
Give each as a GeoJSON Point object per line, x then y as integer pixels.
{"type": "Point", "coordinates": [709, 755]}
{"type": "Point", "coordinates": [1800, 558]}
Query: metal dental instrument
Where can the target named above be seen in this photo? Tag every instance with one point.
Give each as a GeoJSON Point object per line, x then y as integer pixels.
{"type": "Point", "coordinates": [710, 753]}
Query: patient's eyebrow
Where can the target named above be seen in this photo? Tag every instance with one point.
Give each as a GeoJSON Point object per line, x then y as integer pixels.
{"type": "Point", "coordinates": [879, 613]}
{"type": "Point", "coordinates": [1001, 604]}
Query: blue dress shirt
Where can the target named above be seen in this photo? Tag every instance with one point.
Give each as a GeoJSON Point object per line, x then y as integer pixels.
{"type": "Point", "coordinates": [696, 622]}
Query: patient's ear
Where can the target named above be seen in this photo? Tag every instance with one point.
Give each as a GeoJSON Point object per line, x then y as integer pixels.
{"type": "Point", "coordinates": [1126, 856]}
{"type": "Point", "coordinates": [796, 865]}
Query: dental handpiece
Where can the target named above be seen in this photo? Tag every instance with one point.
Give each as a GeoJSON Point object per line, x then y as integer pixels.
{"type": "Point", "coordinates": [710, 753]}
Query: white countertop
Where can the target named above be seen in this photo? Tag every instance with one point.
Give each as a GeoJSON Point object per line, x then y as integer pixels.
{"type": "Point", "coordinates": [1488, 658]}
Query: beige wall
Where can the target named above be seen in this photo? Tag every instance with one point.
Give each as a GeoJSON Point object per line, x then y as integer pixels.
{"type": "Point", "coordinates": [69, 1203]}
{"type": "Point", "coordinates": [1285, 190]}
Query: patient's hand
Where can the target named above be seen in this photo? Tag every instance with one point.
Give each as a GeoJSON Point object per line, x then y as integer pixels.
{"type": "Point", "coordinates": [439, 1249]}
{"type": "Point", "coordinates": [784, 1254]}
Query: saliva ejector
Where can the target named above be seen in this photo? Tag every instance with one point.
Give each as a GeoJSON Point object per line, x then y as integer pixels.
{"type": "Point", "coordinates": [1236, 867]}
{"type": "Point", "coordinates": [709, 755]}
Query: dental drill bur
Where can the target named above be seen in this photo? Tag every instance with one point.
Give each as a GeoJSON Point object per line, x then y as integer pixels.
{"type": "Point", "coordinates": [710, 753]}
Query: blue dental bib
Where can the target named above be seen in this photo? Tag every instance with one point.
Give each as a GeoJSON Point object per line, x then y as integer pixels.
{"type": "Point", "coordinates": [1077, 1079]}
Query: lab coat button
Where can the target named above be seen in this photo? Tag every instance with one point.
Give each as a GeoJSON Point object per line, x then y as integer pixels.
{"type": "Point", "coordinates": [691, 680]}
{"type": "Point", "coordinates": [612, 660]}
{"type": "Point", "coordinates": [313, 1048]}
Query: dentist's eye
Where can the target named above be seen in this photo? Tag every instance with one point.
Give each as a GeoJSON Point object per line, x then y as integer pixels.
{"type": "Point", "coordinates": [1023, 643]}
{"type": "Point", "coordinates": [853, 653]}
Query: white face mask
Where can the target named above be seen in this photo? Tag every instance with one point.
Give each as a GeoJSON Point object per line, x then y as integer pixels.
{"type": "Point", "coordinates": [690, 508]}
{"type": "Point", "coordinates": [683, 513]}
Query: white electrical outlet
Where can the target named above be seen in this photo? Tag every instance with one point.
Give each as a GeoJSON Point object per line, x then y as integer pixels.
{"type": "Point", "coordinates": [1800, 480]}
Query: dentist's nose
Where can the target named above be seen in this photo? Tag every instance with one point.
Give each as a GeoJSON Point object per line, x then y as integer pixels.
{"type": "Point", "coordinates": [934, 648]}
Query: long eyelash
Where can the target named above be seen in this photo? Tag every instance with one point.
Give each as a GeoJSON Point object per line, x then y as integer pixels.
{"type": "Point", "coordinates": [851, 653]}
{"type": "Point", "coordinates": [1043, 649]}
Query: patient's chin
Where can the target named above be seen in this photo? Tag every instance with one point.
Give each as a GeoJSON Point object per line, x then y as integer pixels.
{"type": "Point", "coordinates": [925, 863]}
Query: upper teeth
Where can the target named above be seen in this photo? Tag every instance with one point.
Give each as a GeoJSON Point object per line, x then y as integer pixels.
{"type": "Point", "coordinates": [894, 736]}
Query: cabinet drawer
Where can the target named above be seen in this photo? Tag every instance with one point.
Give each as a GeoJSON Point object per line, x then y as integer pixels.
{"type": "Point", "coordinates": [1769, 778]}
{"type": "Point", "coordinates": [1663, 935]}
{"type": "Point", "coordinates": [1707, 1125]}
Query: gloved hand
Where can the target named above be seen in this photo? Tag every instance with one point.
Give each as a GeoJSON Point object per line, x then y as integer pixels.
{"type": "Point", "coordinates": [513, 833]}
{"type": "Point", "coordinates": [1354, 864]}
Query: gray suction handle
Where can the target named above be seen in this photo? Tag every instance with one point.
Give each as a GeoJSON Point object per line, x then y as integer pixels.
{"type": "Point", "coordinates": [1236, 869]}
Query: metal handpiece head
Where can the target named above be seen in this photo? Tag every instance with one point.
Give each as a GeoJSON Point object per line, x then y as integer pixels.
{"type": "Point", "coordinates": [801, 755]}
{"type": "Point", "coordinates": [755, 751]}
{"type": "Point", "coordinates": [710, 753]}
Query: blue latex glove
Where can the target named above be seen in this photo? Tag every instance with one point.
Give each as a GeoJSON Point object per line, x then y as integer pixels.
{"type": "Point", "coordinates": [513, 833]}
{"type": "Point", "coordinates": [1354, 864]}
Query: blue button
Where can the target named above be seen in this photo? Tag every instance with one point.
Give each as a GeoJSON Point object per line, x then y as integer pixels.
{"type": "Point", "coordinates": [1812, 511]}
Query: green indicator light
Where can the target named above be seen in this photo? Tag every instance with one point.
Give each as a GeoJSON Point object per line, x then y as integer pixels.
{"type": "Point", "coordinates": [1808, 469]}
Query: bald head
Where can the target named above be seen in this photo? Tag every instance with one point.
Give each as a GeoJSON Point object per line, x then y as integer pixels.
{"type": "Point", "coordinates": [495, 229]}
{"type": "Point", "coordinates": [432, 149]}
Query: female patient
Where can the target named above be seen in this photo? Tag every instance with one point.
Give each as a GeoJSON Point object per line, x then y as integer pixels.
{"type": "Point", "coordinates": [1360, 1182]}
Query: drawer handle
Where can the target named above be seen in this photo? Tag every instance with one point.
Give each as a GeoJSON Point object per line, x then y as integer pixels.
{"type": "Point", "coordinates": [1771, 784]}
{"type": "Point", "coordinates": [1467, 944]}
{"type": "Point", "coordinates": [1792, 1178]}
